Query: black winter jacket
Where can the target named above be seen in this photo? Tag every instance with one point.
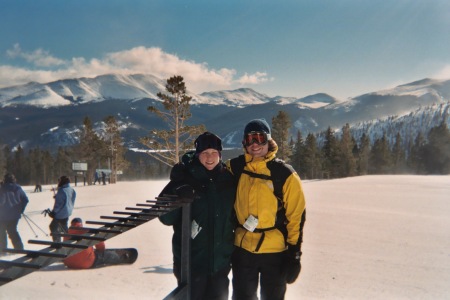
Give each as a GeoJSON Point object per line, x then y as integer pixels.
{"type": "Point", "coordinates": [212, 210]}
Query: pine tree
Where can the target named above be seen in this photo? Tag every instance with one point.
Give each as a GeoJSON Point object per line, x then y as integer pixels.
{"type": "Point", "coordinates": [415, 157]}
{"type": "Point", "coordinates": [297, 158]}
{"type": "Point", "coordinates": [348, 162]}
{"type": "Point", "coordinates": [2, 162]}
{"type": "Point", "coordinates": [363, 155]}
{"type": "Point", "coordinates": [281, 124]}
{"type": "Point", "coordinates": [312, 164]}
{"type": "Point", "coordinates": [18, 166]}
{"type": "Point", "coordinates": [91, 149]}
{"type": "Point", "coordinates": [330, 155]}
{"type": "Point", "coordinates": [436, 153]}
{"type": "Point", "coordinates": [398, 156]}
{"type": "Point", "coordinates": [63, 162]}
{"type": "Point", "coordinates": [168, 145]}
{"type": "Point", "coordinates": [380, 157]}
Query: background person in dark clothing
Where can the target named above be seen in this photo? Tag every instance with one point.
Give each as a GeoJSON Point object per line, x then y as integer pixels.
{"type": "Point", "coordinates": [104, 178]}
{"type": "Point", "coordinates": [13, 201]}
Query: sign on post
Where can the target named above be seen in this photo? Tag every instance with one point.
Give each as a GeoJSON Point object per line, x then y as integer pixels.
{"type": "Point", "coordinates": [78, 166]}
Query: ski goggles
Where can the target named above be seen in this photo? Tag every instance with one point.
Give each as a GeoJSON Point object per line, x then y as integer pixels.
{"type": "Point", "coordinates": [258, 137]}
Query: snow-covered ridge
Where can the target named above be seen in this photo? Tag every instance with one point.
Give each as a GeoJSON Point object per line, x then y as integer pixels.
{"type": "Point", "coordinates": [134, 87]}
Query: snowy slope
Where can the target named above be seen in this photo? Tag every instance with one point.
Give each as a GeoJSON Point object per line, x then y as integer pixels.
{"type": "Point", "coordinates": [368, 237]}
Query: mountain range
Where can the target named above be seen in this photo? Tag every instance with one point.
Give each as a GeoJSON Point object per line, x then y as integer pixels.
{"type": "Point", "coordinates": [51, 114]}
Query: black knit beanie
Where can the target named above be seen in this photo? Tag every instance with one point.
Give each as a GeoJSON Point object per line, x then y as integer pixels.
{"type": "Point", "coordinates": [207, 140]}
{"type": "Point", "coordinates": [257, 125]}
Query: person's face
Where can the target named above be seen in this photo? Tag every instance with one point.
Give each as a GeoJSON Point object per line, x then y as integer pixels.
{"type": "Point", "coordinates": [256, 150]}
{"type": "Point", "coordinates": [209, 158]}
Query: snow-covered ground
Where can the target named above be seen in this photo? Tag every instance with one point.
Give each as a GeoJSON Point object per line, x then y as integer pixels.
{"type": "Point", "coordinates": [370, 237]}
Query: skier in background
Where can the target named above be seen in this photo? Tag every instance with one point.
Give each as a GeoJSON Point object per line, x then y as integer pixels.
{"type": "Point", "coordinates": [96, 178]}
{"type": "Point", "coordinates": [13, 201]}
{"type": "Point", "coordinates": [62, 209]}
{"type": "Point", "coordinates": [104, 178]}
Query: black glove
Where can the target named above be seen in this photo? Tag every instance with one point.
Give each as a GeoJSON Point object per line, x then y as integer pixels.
{"type": "Point", "coordinates": [48, 212]}
{"type": "Point", "coordinates": [185, 192]}
{"type": "Point", "coordinates": [291, 263]}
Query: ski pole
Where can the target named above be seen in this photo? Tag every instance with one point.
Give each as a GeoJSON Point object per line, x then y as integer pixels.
{"type": "Point", "coordinates": [27, 217]}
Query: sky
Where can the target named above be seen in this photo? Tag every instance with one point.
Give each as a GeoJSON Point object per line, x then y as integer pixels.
{"type": "Point", "coordinates": [366, 237]}
{"type": "Point", "coordinates": [291, 48]}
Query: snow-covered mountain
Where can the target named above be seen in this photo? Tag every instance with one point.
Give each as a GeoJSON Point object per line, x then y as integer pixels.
{"type": "Point", "coordinates": [132, 87]}
{"type": "Point", "coordinates": [51, 114]}
{"type": "Point", "coordinates": [82, 90]}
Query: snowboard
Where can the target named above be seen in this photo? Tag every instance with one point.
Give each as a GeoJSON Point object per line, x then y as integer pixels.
{"type": "Point", "coordinates": [119, 256]}
{"type": "Point", "coordinates": [127, 255]}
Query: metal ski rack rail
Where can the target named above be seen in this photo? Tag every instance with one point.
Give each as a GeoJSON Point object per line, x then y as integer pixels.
{"type": "Point", "coordinates": [56, 251]}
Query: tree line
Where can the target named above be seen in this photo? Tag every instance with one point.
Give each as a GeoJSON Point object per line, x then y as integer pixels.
{"type": "Point", "coordinates": [41, 166]}
{"type": "Point", "coordinates": [324, 155]}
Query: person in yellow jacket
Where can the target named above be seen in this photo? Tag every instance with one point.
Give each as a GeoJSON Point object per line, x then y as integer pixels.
{"type": "Point", "coordinates": [268, 244]}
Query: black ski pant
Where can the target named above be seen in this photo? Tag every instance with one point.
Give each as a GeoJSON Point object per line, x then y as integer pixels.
{"type": "Point", "coordinates": [207, 287]}
{"type": "Point", "coordinates": [58, 226]}
{"type": "Point", "coordinates": [251, 269]}
{"type": "Point", "coordinates": [10, 227]}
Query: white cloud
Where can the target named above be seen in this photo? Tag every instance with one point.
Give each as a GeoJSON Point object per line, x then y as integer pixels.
{"type": "Point", "coordinates": [198, 76]}
{"type": "Point", "coordinates": [256, 78]}
{"type": "Point", "coordinates": [39, 57]}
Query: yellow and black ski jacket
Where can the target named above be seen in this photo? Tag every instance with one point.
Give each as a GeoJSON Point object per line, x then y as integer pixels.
{"type": "Point", "coordinates": [255, 196]}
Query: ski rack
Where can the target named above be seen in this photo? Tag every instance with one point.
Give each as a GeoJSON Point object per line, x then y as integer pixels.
{"type": "Point", "coordinates": [56, 251]}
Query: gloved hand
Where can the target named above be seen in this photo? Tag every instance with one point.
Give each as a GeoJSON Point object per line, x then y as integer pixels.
{"type": "Point", "coordinates": [48, 212]}
{"type": "Point", "coordinates": [186, 192]}
{"type": "Point", "coordinates": [291, 263]}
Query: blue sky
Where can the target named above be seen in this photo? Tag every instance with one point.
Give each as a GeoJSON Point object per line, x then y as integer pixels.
{"type": "Point", "coordinates": [290, 48]}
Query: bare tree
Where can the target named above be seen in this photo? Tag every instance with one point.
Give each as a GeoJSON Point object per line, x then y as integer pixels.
{"type": "Point", "coordinates": [167, 145]}
{"type": "Point", "coordinates": [116, 150]}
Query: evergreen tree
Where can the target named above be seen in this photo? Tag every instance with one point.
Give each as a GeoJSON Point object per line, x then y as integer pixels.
{"type": "Point", "coordinates": [398, 156]}
{"type": "Point", "coordinates": [363, 155]}
{"type": "Point", "coordinates": [63, 162]}
{"type": "Point", "coordinates": [436, 153]}
{"type": "Point", "coordinates": [330, 155]}
{"type": "Point", "coordinates": [91, 150]}
{"type": "Point", "coordinates": [297, 158]}
{"type": "Point", "coordinates": [380, 157]}
{"type": "Point", "coordinates": [2, 161]}
{"type": "Point", "coordinates": [168, 145]}
{"type": "Point", "coordinates": [348, 163]}
{"type": "Point", "coordinates": [311, 158]}
{"type": "Point", "coordinates": [281, 124]}
{"type": "Point", "coordinates": [415, 158]}
{"type": "Point", "coordinates": [19, 166]}
{"type": "Point", "coordinates": [35, 166]}
{"type": "Point", "coordinates": [9, 163]}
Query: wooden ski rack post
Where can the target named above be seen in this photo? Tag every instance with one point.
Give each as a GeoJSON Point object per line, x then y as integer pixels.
{"type": "Point", "coordinates": [33, 260]}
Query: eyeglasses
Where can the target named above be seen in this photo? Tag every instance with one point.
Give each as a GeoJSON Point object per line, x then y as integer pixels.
{"type": "Point", "coordinates": [260, 138]}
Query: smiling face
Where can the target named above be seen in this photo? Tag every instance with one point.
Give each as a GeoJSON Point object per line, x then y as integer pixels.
{"type": "Point", "coordinates": [256, 150]}
{"type": "Point", "coordinates": [209, 158]}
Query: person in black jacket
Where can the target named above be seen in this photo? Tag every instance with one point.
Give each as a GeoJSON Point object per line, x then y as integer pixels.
{"type": "Point", "coordinates": [203, 176]}
{"type": "Point", "coordinates": [13, 201]}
